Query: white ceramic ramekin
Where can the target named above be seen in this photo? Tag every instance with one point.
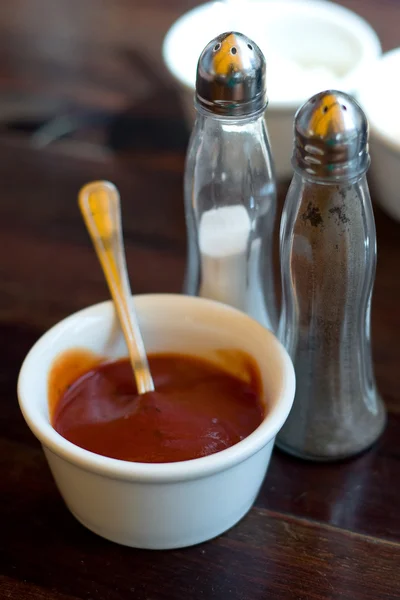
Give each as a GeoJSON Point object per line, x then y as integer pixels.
{"type": "Point", "coordinates": [379, 97]}
{"type": "Point", "coordinates": [313, 33]}
{"type": "Point", "coordinates": [160, 506]}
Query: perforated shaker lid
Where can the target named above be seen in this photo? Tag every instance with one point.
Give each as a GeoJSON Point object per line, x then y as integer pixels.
{"type": "Point", "coordinates": [331, 137]}
{"type": "Point", "coordinates": [231, 74]}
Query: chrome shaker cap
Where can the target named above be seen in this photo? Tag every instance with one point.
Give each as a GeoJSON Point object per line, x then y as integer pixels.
{"type": "Point", "coordinates": [331, 137]}
{"type": "Point", "coordinates": [231, 75]}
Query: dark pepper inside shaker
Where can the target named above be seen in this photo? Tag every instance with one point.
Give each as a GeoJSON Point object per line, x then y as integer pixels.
{"type": "Point", "coordinates": [328, 261]}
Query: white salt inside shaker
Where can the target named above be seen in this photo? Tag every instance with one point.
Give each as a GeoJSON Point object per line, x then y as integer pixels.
{"type": "Point", "coordinates": [230, 261]}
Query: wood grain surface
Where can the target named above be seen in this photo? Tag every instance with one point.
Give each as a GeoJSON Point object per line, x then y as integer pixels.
{"type": "Point", "coordinates": [316, 531]}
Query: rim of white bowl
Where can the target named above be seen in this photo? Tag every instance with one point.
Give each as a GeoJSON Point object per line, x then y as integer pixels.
{"type": "Point", "coordinates": [154, 472]}
{"type": "Point", "coordinates": [369, 89]}
{"type": "Point", "coordinates": [358, 27]}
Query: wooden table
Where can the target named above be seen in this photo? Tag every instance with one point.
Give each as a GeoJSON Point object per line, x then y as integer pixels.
{"type": "Point", "coordinates": [316, 531]}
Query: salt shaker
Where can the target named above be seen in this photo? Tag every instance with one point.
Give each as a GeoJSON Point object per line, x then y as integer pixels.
{"type": "Point", "coordinates": [328, 258]}
{"type": "Point", "coordinates": [230, 191]}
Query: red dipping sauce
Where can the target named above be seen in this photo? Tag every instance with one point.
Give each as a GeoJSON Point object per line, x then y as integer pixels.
{"type": "Point", "coordinates": [198, 408]}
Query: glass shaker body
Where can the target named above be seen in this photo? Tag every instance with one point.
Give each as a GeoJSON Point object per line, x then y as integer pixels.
{"type": "Point", "coordinates": [230, 205]}
{"type": "Point", "coordinates": [328, 260]}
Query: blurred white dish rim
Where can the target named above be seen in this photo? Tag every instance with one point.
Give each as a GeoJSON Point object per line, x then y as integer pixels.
{"type": "Point", "coordinates": [309, 45]}
{"type": "Point", "coordinates": [379, 96]}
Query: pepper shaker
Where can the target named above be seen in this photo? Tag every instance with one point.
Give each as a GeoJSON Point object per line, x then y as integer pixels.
{"type": "Point", "coordinates": [328, 260]}
{"type": "Point", "coordinates": [230, 191]}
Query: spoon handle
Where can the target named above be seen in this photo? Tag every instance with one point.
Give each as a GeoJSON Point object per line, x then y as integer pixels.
{"type": "Point", "coordinates": [99, 203]}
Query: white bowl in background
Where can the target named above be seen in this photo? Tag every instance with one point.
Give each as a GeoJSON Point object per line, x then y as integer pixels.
{"type": "Point", "coordinates": [160, 506]}
{"type": "Point", "coordinates": [309, 45]}
{"type": "Point", "coordinates": [379, 96]}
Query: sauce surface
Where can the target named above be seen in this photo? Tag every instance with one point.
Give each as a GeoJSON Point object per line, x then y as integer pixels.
{"type": "Point", "coordinates": [198, 408]}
